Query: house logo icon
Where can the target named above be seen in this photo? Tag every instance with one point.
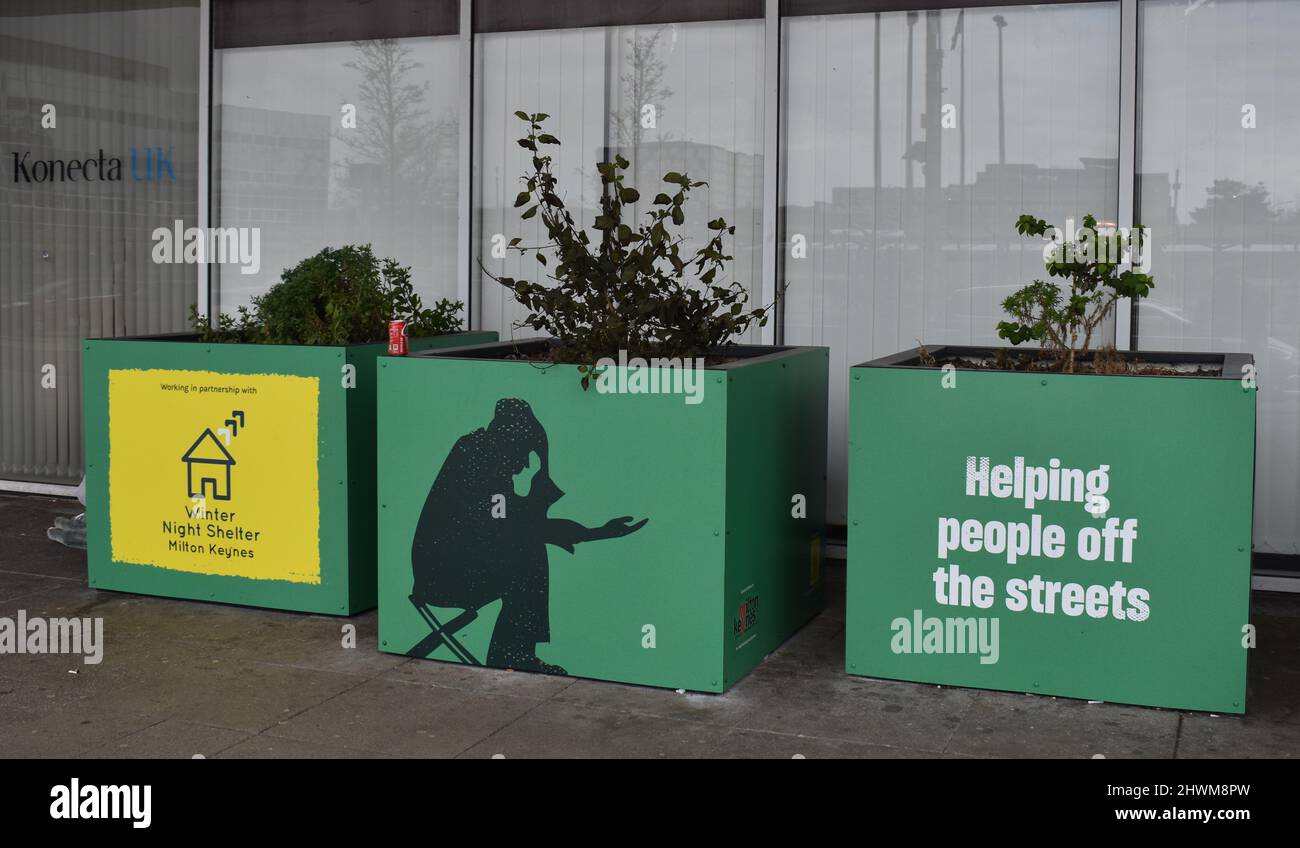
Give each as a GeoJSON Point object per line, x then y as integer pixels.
{"type": "Point", "coordinates": [207, 468]}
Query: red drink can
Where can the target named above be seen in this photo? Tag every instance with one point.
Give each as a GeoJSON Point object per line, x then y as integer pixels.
{"type": "Point", "coordinates": [397, 338]}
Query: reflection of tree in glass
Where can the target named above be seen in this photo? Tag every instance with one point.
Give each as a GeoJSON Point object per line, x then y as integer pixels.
{"type": "Point", "coordinates": [641, 83]}
{"type": "Point", "coordinates": [1234, 214]}
{"type": "Point", "coordinates": [401, 152]}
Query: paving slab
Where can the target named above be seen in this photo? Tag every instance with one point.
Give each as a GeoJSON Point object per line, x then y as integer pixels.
{"type": "Point", "coordinates": [15, 585]}
{"type": "Point", "coordinates": [406, 719]}
{"type": "Point", "coordinates": [817, 649]}
{"type": "Point", "coordinates": [38, 722]}
{"type": "Point", "coordinates": [23, 522]}
{"type": "Point", "coordinates": [859, 709]}
{"type": "Point", "coordinates": [835, 573]}
{"type": "Point", "coordinates": [253, 698]}
{"type": "Point", "coordinates": [170, 739]}
{"type": "Point", "coordinates": [765, 745]}
{"type": "Point", "coordinates": [1009, 725]}
{"type": "Point", "coordinates": [266, 747]}
{"type": "Point", "coordinates": [496, 681]}
{"type": "Point", "coordinates": [1277, 636]}
{"type": "Point", "coordinates": [293, 640]}
{"type": "Point", "coordinates": [1273, 695]}
{"type": "Point", "coordinates": [1206, 736]}
{"type": "Point", "coordinates": [724, 710]}
{"type": "Point", "coordinates": [558, 730]}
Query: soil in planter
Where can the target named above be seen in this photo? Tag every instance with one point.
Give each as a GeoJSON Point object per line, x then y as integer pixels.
{"type": "Point", "coordinates": [1106, 361]}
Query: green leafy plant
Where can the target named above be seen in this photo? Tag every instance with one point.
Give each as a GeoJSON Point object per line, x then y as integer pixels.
{"type": "Point", "coordinates": [631, 285]}
{"type": "Point", "coordinates": [1062, 316]}
{"type": "Point", "coordinates": [339, 296]}
{"type": "Point", "coordinates": [229, 329]}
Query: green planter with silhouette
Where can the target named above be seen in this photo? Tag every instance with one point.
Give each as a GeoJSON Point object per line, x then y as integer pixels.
{"type": "Point", "coordinates": [240, 473]}
{"type": "Point", "coordinates": [670, 537]}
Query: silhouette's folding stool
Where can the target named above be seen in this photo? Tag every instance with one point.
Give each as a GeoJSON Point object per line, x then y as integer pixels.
{"type": "Point", "coordinates": [443, 634]}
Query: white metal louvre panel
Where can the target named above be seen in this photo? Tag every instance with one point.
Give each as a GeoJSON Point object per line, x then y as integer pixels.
{"type": "Point", "coordinates": [75, 251]}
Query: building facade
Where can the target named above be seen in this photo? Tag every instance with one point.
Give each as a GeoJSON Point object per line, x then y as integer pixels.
{"type": "Point", "coordinates": [872, 154]}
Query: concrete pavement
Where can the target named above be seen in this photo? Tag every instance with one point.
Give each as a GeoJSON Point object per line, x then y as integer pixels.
{"type": "Point", "coordinates": [182, 679]}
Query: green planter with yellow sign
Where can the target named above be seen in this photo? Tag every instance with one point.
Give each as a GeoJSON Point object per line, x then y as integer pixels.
{"type": "Point", "coordinates": [240, 473]}
{"type": "Point", "coordinates": [1085, 535]}
{"type": "Point", "coordinates": [662, 527]}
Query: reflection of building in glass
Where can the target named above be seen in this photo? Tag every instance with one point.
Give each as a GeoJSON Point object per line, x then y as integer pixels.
{"type": "Point", "coordinates": [983, 213]}
{"type": "Point", "coordinates": [732, 177]}
{"type": "Point", "coordinates": [275, 165]}
{"type": "Point", "coordinates": [35, 72]}
{"type": "Point", "coordinates": [928, 262]}
{"type": "Point", "coordinates": [734, 192]}
{"type": "Point", "coordinates": [75, 254]}
{"type": "Point", "coordinates": [294, 175]}
{"type": "Point", "coordinates": [275, 174]}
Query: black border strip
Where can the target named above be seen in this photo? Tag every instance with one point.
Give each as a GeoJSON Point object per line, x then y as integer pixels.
{"type": "Point", "coordinates": [35, 8]}
{"type": "Point", "coordinates": [526, 15]}
{"type": "Point", "coordinates": [264, 23]}
{"type": "Point", "coordinates": [1277, 565]}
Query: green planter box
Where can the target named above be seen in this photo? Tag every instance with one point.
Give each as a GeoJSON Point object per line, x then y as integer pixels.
{"type": "Point", "coordinates": [491, 503]}
{"type": "Point", "coordinates": [232, 472]}
{"type": "Point", "coordinates": [1121, 575]}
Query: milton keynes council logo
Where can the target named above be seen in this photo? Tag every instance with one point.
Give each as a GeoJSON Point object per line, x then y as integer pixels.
{"type": "Point", "coordinates": [745, 621]}
{"type": "Point", "coordinates": [208, 461]}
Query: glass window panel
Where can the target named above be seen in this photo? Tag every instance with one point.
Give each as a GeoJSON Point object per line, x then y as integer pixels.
{"type": "Point", "coordinates": [898, 229]}
{"type": "Point", "coordinates": [289, 166]}
{"type": "Point", "coordinates": [1219, 182]}
{"type": "Point", "coordinates": [76, 250]}
{"type": "Point", "coordinates": [670, 97]}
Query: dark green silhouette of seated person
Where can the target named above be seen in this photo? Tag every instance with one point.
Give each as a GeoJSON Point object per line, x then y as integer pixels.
{"type": "Point", "coordinates": [464, 557]}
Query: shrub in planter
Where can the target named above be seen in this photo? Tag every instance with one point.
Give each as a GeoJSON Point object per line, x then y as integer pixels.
{"type": "Point", "coordinates": [632, 498]}
{"type": "Point", "coordinates": [1062, 521]}
{"type": "Point", "coordinates": [236, 463]}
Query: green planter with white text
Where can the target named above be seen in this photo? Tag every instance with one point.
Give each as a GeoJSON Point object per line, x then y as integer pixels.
{"type": "Point", "coordinates": [1085, 535]}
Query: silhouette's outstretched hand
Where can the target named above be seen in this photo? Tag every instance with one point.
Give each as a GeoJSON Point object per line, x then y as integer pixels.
{"type": "Point", "coordinates": [616, 528]}
{"type": "Point", "coordinates": [566, 534]}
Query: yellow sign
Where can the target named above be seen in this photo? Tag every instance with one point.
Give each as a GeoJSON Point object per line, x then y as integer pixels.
{"type": "Point", "coordinates": [215, 473]}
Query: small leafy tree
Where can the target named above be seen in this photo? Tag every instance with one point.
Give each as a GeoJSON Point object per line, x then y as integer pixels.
{"type": "Point", "coordinates": [1063, 317]}
{"type": "Point", "coordinates": [627, 287]}
{"type": "Point", "coordinates": [337, 297]}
